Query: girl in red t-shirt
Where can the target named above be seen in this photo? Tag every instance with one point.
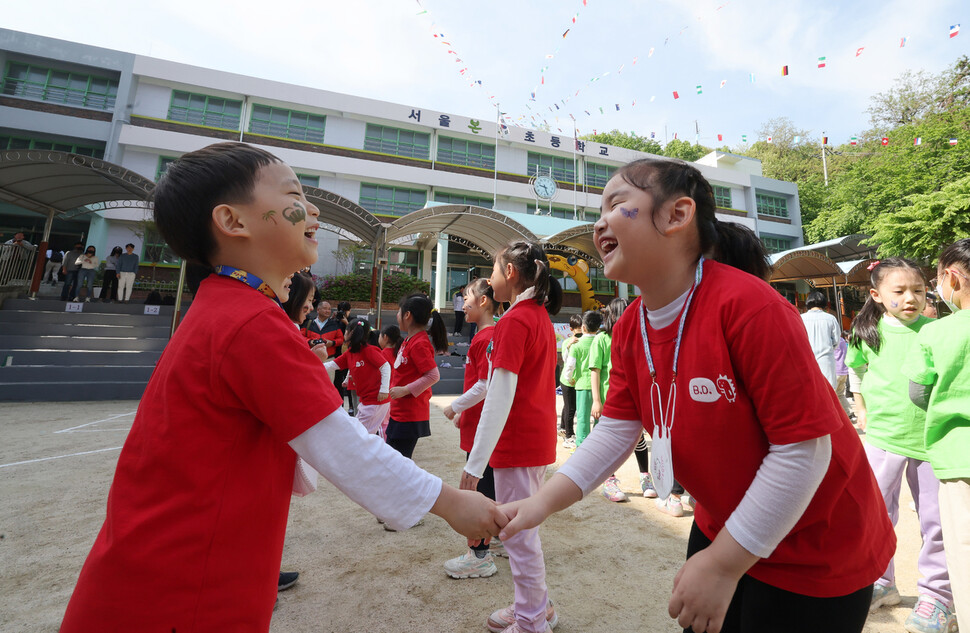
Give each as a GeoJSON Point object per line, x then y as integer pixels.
{"type": "Point", "coordinates": [480, 308]}
{"type": "Point", "coordinates": [415, 370]}
{"type": "Point", "coordinates": [517, 431]}
{"type": "Point", "coordinates": [371, 373]}
{"type": "Point", "coordinates": [789, 530]}
{"type": "Point", "coordinates": [390, 342]}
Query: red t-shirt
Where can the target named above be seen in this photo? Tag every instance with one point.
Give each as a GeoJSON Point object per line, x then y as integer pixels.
{"type": "Point", "coordinates": [415, 359]}
{"type": "Point", "coordinates": [365, 371]}
{"type": "Point", "coordinates": [196, 514]}
{"type": "Point", "coordinates": [525, 344]}
{"type": "Point", "coordinates": [476, 368]}
{"type": "Point", "coordinates": [746, 378]}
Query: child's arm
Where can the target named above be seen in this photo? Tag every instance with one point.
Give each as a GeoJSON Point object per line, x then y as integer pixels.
{"type": "Point", "coordinates": [384, 390]}
{"type": "Point", "coordinates": [467, 400]}
{"type": "Point", "coordinates": [414, 388]}
{"type": "Point", "coordinates": [568, 370]}
{"type": "Point", "coordinates": [495, 413]}
{"type": "Point", "coordinates": [597, 408]}
{"type": "Point", "coordinates": [387, 484]}
{"type": "Point", "coordinates": [855, 386]}
{"type": "Point", "coordinates": [920, 394]}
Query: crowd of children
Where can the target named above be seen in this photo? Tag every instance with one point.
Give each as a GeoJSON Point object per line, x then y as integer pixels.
{"type": "Point", "coordinates": [790, 530]}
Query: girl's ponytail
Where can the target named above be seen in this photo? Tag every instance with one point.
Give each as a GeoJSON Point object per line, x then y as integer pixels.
{"type": "Point", "coordinates": [393, 334]}
{"type": "Point", "coordinates": [438, 333]}
{"type": "Point", "coordinates": [359, 333]}
{"type": "Point", "coordinates": [424, 315]}
{"type": "Point", "coordinates": [481, 288]}
{"type": "Point", "coordinates": [865, 325]}
{"type": "Point", "coordinates": [736, 245]}
{"type": "Point", "coordinates": [530, 260]}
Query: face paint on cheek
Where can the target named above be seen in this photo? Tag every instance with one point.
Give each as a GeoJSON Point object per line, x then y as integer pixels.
{"type": "Point", "coordinates": [629, 213]}
{"type": "Point", "coordinates": [893, 304]}
{"type": "Point", "coordinates": [294, 214]}
{"type": "Point", "coordinates": [269, 216]}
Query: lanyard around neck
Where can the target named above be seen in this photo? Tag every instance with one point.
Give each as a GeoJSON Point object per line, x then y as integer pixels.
{"type": "Point", "coordinates": [249, 279]}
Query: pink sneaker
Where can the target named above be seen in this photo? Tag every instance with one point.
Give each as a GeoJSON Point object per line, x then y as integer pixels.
{"type": "Point", "coordinates": [515, 628]}
{"type": "Point", "coordinates": [503, 620]}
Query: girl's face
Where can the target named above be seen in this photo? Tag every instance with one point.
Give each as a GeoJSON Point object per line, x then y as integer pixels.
{"type": "Point", "coordinates": [404, 320]}
{"type": "Point", "coordinates": [946, 289]}
{"type": "Point", "coordinates": [472, 306]}
{"type": "Point", "coordinates": [501, 281]}
{"type": "Point", "coordinates": [902, 293]}
{"type": "Point", "coordinates": [382, 341]}
{"type": "Point", "coordinates": [625, 233]}
{"type": "Point", "coordinates": [307, 306]}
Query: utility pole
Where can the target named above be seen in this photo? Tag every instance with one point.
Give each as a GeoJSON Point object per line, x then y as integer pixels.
{"type": "Point", "coordinates": [825, 170]}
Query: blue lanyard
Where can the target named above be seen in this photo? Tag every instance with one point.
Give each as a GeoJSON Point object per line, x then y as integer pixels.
{"type": "Point", "coordinates": [249, 279]}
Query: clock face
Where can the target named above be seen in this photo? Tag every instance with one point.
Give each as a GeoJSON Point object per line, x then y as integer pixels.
{"type": "Point", "coordinates": [545, 187]}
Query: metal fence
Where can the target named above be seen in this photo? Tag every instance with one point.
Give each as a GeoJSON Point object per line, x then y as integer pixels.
{"type": "Point", "coordinates": [16, 266]}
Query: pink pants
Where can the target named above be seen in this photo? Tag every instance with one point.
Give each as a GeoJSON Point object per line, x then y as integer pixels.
{"type": "Point", "coordinates": [372, 416]}
{"type": "Point", "coordinates": [524, 549]}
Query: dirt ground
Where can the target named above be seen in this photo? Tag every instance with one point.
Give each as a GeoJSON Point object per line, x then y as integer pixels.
{"type": "Point", "coordinates": [610, 567]}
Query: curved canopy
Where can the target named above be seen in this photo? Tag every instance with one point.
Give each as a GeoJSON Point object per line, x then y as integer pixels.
{"type": "Point", "coordinates": [487, 229]}
{"type": "Point", "coordinates": [578, 239]}
{"type": "Point", "coordinates": [344, 216]}
{"type": "Point", "coordinates": [845, 248]}
{"type": "Point", "coordinates": [802, 264]}
{"type": "Point", "coordinates": [47, 181]}
{"type": "Point", "coordinates": [854, 273]}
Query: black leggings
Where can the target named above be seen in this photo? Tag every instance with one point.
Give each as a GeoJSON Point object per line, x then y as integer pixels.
{"type": "Point", "coordinates": [760, 608]}
{"type": "Point", "coordinates": [486, 486]}
{"type": "Point", "coordinates": [404, 446]}
{"type": "Point", "coordinates": [642, 453]}
{"type": "Point", "coordinates": [568, 410]}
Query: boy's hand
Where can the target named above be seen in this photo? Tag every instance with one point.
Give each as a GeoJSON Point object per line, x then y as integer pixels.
{"type": "Point", "coordinates": [450, 414]}
{"type": "Point", "coordinates": [471, 514]}
{"type": "Point", "coordinates": [399, 392]}
{"type": "Point", "coordinates": [321, 351]}
{"type": "Point", "coordinates": [468, 482]}
{"type": "Point", "coordinates": [860, 419]}
{"type": "Point", "coordinates": [382, 396]}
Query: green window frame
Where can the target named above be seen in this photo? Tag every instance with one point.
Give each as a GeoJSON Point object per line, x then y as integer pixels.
{"type": "Point", "coordinates": [200, 109]}
{"type": "Point", "coordinates": [566, 213]}
{"type": "Point", "coordinates": [722, 196]}
{"type": "Point", "coordinates": [399, 260]}
{"type": "Point", "coordinates": [775, 206]}
{"type": "Point", "coordinates": [458, 198]}
{"type": "Point", "coordinates": [308, 180]}
{"type": "Point", "coordinates": [384, 200]}
{"type": "Point", "coordinates": [562, 168]}
{"type": "Point", "coordinates": [468, 153]}
{"type": "Point", "coordinates": [598, 175]}
{"type": "Point", "coordinates": [59, 86]}
{"type": "Point", "coordinates": [17, 142]}
{"type": "Point", "coordinates": [163, 163]}
{"type": "Point", "coordinates": [154, 249]}
{"type": "Point", "coordinates": [775, 244]}
{"type": "Point", "coordinates": [391, 140]}
{"type": "Point", "coordinates": [283, 123]}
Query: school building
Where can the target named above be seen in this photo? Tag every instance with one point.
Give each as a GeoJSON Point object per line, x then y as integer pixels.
{"type": "Point", "coordinates": [383, 160]}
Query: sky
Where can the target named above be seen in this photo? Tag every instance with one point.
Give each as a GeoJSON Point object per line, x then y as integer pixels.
{"type": "Point", "coordinates": [633, 54]}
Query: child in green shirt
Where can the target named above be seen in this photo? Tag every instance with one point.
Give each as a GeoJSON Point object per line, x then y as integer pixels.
{"type": "Point", "coordinates": [576, 373]}
{"type": "Point", "coordinates": [940, 382]}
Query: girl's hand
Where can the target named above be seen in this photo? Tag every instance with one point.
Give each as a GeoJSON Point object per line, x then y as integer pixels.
{"type": "Point", "coordinates": [468, 482]}
{"type": "Point", "coordinates": [860, 419]}
{"type": "Point", "coordinates": [321, 352]}
{"type": "Point", "coordinates": [399, 392]}
{"type": "Point", "coordinates": [597, 410]}
{"type": "Point", "coordinates": [523, 514]}
{"type": "Point", "coordinates": [702, 593]}
{"type": "Point", "coordinates": [471, 514]}
{"type": "Point", "coordinates": [382, 396]}
{"type": "Point", "coordinates": [450, 413]}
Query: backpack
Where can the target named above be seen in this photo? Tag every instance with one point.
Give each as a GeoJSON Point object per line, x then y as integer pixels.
{"type": "Point", "coordinates": [154, 298]}
{"type": "Point", "coordinates": [57, 257]}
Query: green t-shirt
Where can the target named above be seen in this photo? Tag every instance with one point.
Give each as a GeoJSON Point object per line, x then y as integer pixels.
{"type": "Point", "coordinates": [580, 351]}
{"type": "Point", "coordinates": [893, 423]}
{"type": "Point", "coordinates": [599, 358]}
{"type": "Point", "coordinates": [939, 359]}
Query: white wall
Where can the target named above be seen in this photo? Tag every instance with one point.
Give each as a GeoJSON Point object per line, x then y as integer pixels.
{"type": "Point", "coordinates": [344, 132]}
{"type": "Point", "coordinates": [152, 100]}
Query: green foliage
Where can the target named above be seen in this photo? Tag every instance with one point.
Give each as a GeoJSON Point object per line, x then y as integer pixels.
{"type": "Point", "coordinates": [356, 287]}
{"type": "Point", "coordinates": [632, 141]}
{"type": "Point", "coordinates": [926, 223]}
{"type": "Point", "coordinates": [683, 150]}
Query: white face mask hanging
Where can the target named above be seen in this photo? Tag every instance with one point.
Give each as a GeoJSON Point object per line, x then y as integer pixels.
{"type": "Point", "coordinates": [662, 413]}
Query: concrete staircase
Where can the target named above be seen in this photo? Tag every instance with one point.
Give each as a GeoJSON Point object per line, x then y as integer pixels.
{"type": "Point", "coordinates": [104, 352]}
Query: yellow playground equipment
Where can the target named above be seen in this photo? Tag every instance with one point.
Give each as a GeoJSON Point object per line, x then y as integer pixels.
{"type": "Point", "coordinates": [578, 269]}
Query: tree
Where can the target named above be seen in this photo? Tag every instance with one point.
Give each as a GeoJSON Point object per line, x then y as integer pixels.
{"type": "Point", "coordinates": [347, 255]}
{"type": "Point", "coordinates": [927, 223]}
{"type": "Point", "coordinates": [683, 150]}
{"type": "Point", "coordinates": [916, 95]}
{"type": "Point", "coordinates": [632, 141]}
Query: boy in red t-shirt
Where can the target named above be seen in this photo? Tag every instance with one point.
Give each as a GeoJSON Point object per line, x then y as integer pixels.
{"type": "Point", "coordinates": [197, 509]}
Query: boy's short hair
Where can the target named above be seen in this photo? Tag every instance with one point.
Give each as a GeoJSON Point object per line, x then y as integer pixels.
{"type": "Point", "coordinates": [131, 245]}
{"type": "Point", "coordinates": [575, 322]}
{"type": "Point", "coordinates": [816, 300]}
{"type": "Point", "coordinates": [198, 182]}
{"type": "Point", "coordinates": [592, 320]}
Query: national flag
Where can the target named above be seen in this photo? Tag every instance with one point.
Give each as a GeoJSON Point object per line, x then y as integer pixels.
{"type": "Point", "coordinates": [574, 18]}
{"type": "Point", "coordinates": [854, 141]}
{"type": "Point", "coordinates": [634, 104]}
{"type": "Point", "coordinates": [565, 33]}
{"type": "Point", "coordinates": [533, 96]}
{"type": "Point", "coordinates": [953, 141]}
{"type": "Point", "coordinates": [700, 90]}
{"type": "Point", "coordinates": [769, 139]}
{"type": "Point", "coordinates": [618, 107]}
{"type": "Point", "coordinates": [634, 61]}
{"type": "Point", "coordinates": [557, 105]}
{"type": "Point", "coordinates": [954, 30]}
{"type": "Point", "coordinates": [902, 42]}
{"type": "Point", "coordinates": [751, 77]}
{"type": "Point", "coordinates": [650, 54]}
{"type": "Point", "coordinates": [601, 109]}
{"type": "Point", "coordinates": [859, 50]}
{"type": "Point", "coordinates": [784, 71]}
{"type": "Point", "coordinates": [676, 96]}
{"type": "Point", "coordinates": [744, 138]}
{"type": "Point", "coordinates": [821, 62]}
{"type": "Point", "coordinates": [653, 135]}
{"type": "Point", "coordinates": [825, 140]}
{"type": "Point", "coordinates": [720, 137]}
{"type": "Point", "coordinates": [549, 56]}
{"type": "Point", "coordinates": [917, 141]}
{"type": "Point", "coordinates": [723, 81]}
{"type": "Point", "coordinates": [675, 136]}
{"type": "Point", "coordinates": [587, 113]}
{"type": "Point", "coordinates": [885, 140]}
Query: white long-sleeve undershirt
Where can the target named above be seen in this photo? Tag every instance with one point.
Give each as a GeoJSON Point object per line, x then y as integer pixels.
{"type": "Point", "coordinates": [495, 413]}
{"type": "Point", "coordinates": [366, 469]}
{"type": "Point", "coordinates": [331, 367]}
{"type": "Point", "coordinates": [778, 495]}
{"type": "Point", "coordinates": [474, 395]}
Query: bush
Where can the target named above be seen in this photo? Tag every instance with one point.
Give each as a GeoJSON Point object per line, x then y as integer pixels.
{"type": "Point", "coordinates": [356, 287]}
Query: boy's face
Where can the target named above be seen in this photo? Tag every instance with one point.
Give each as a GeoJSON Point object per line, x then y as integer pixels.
{"type": "Point", "coordinates": [130, 249]}
{"type": "Point", "coordinates": [282, 223]}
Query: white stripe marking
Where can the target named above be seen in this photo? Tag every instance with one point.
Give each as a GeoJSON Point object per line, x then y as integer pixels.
{"type": "Point", "coordinates": [113, 417]}
{"type": "Point", "coordinates": [44, 459]}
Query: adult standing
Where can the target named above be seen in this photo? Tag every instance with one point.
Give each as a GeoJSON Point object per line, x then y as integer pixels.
{"type": "Point", "coordinates": [55, 258]}
{"type": "Point", "coordinates": [331, 330]}
{"type": "Point", "coordinates": [458, 301]}
{"type": "Point", "coordinates": [109, 287]}
{"type": "Point", "coordinates": [87, 269]}
{"type": "Point", "coordinates": [17, 250]}
{"type": "Point", "coordinates": [127, 267]}
{"type": "Point", "coordinates": [69, 291]}
{"type": "Point", "coordinates": [823, 334]}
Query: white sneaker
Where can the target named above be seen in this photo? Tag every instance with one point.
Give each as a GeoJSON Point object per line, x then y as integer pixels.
{"type": "Point", "coordinates": [470, 566]}
{"type": "Point", "coordinates": [503, 620]}
{"type": "Point", "coordinates": [671, 505]}
{"type": "Point", "coordinates": [611, 490]}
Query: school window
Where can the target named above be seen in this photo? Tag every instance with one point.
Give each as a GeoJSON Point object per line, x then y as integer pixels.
{"type": "Point", "coordinates": [283, 123]}
{"type": "Point", "coordinates": [600, 283]}
{"type": "Point", "coordinates": [309, 181]}
{"type": "Point", "coordinates": [468, 153]}
{"type": "Point", "coordinates": [58, 86]}
{"type": "Point", "coordinates": [557, 212]}
{"type": "Point", "coordinates": [399, 260]}
{"type": "Point", "coordinates": [156, 250]}
{"type": "Point", "coordinates": [14, 142]}
{"type": "Point", "coordinates": [390, 140]}
{"type": "Point", "coordinates": [775, 206]}
{"type": "Point", "coordinates": [562, 169]}
{"type": "Point", "coordinates": [776, 244]}
{"type": "Point", "coordinates": [204, 110]}
{"type": "Point", "coordinates": [598, 175]}
{"type": "Point", "coordinates": [457, 198]}
{"type": "Point", "coordinates": [163, 163]}
{"type": "Point", "coordinates": [722, 196]}
{"type": "Point", "coordinates": [382, 200]}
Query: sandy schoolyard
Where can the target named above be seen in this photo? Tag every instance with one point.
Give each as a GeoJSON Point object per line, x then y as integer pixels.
{"type": "Point", "coordinates": [610, 566]}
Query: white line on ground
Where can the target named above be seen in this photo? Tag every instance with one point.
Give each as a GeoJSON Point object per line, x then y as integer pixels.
{"type": "Point", "coordinates": [113, 417]}
{"type": "Point", "coordinates": [44, 459]}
